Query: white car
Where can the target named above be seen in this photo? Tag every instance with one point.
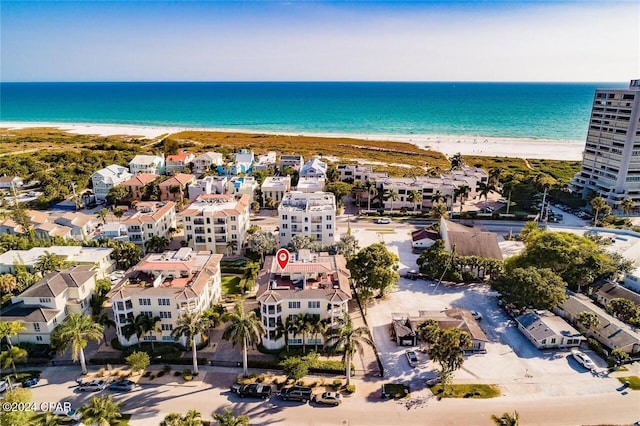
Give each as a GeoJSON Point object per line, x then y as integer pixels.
{"type": "Point", "coordinates": [4, 385]}
{"type": "Point", "coordinates": [71, 414]}
{"type": "Point", "coordinates": [93, 386]}
{"type": "Point", "coordinates": [330, 398]}
{"type": "Point", "coordinates": [412, 358]}
{"type": "Point", "coordinates": [583, 360]}
{"type": "Point", "coordinates": [383, 220]}
{"type": "Point", "coordinates": [476, 315]}
{"type": "Point", "coordinates": [502, 200]}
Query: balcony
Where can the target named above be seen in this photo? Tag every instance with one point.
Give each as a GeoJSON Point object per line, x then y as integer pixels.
{"type": "Point", "coordinates": [198, 221]}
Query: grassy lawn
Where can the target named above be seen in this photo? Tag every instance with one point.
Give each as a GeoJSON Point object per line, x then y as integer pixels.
{"type": "Point", "coordinates": [466, 391]}
{"type": "Point", "coordinates": [634, 381]}
{"type": "Point", "coordinates": [231, 284]}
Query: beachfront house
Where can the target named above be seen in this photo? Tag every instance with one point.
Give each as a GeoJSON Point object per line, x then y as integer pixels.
{"type": "Point", "coordinates": [105, 179]}
{"type": "Point", "coordinates": [266, 161]}
{"type": "Point", "coordinates": [314, 168]}
{"type": "Point", "coordinates": [138, 183]}
{"type": "Point", "coordinates": [206, 162]}
{"type": "Point", "coordinates": [310, 184]}
{"type": "Point", "coordinates": [291, 160]}
{"type": "Point", "coordinates": [245, 185]}
{"type": "Point", "coordinates": [274, 187]}
{"type": "Point", "coordinates": [175, 188]}
{"type": "Point", "coordinates": [152, 218]}
{"type": "Point", "coordinates": [207, 185]}
{"type": "Point", "coordinates": [177, 163]}
{"type": "Point", "coordinates": [147, 164]}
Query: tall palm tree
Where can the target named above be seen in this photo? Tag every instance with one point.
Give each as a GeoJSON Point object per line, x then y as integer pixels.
{"type": "Point", "coordinates": [10, 356]}
{"type": "Point", "coordinates": [243, 328]}
{"type": "Point", "coordinates": [345, 336]}
{"type": "Point", "coordinates": [506, 419]}
{"type": "Point", "coordinates": [102, 214]}
{"type": "Point", "coordinates": [485, 189]}
{"type": "Point", "coordinates": [216, 315]}
{"type": "Point", "coordinates": [228, 419]}
{"type": "Point", "coordinates": [156, 244]}
{"type": "Point", "coordinates": [191, 325]}
{"type": "Point", "coordinates": [357, 189]}
{"type": "Point", "coordinates": [393, 196]}
{"type": "Point", "coordinates": [495, 173]}
{"type": "Point", "coordinates": [462, 192]}
{"type": "Point", "coordinates": [106, 322]}
{"type": "Point", "coordinates": [370, 187]}
{"type": "Point", "coordinates": [598, 204]}
{"type": "Point", "coordinates": [415, 196]}
{"type": "Point", "coordinates": [101, 411]}
{"type": "Point", "coordinates": [304, 325]}
{"type": "Point", "coordinates": [318, 328]}
{"type": "Point", "coordinates": [457, 161]}
{"type": "Point", "coordinates": [139, 326]}
{"type": "Point", "coordinates": [74, 333]}
{"type": "Point", "coordinates": [437, 197]}
{"type": "Point", "coordinates": [10, 329]}
{"type": "Point", "coordinates": [232, 245]}
{"type": "Point", "coordinates": [627, 205]}
{"type": "Point", "coordinates": [438, 210]}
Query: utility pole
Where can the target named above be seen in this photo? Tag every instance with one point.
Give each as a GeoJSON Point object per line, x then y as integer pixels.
{"type": "Point", "coordinates": [509, 202]}
{"type": "Point", "coordinates": [453, 253]}
{"type": "Point", "coordinates": [73, 189]}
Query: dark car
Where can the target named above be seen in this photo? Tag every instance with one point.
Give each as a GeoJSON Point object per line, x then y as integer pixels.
{"type": "Point", "coordinates": [122, 386]}
{"type": "Point", "coordinates": [30, 383]}
{"type": "Point", "coordinates": [255, 390]}
{"type": "Point", "coordinates": [296, 393]}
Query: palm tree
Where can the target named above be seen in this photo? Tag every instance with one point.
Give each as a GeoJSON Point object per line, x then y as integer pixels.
{"type": "Point", "coordinates": [438, 211]}
{"type": "Point", "coordinates": [393, 196]}
{"type": "Point", "coordinates": [437, 197]}
{"type": "Point", "coordinates": [627, 205]}
{"type": "Point", "coordinates": [357, 189]}
{"type": "Point", "coordinates": [10, 356]}
{"type": "Point", "coordinates": [140, 325]}
{"type": "Point", "coordinates": [102, 411]}
{"type": "Point", "coordinates": [102, 214]}
{"type": "Point", "coordinates": [243, 328]}
{"type": "Point", "coordinates": [228, 419]}
{"type": "Point", "coordinates": [304, 325]}
{"type": "Point", "coordinates": [598, 204]}
{"type": "Point", "coordinates": [48, 420]}
{"type": "Point", "coordinates": [318, 328]}
{"type": "Point", "coordinates": [216, 315]}
{"type": "Point", "coordinates": [175, 189]}
{"type": "Point", "coordinates": [345, 336]}
{"type": "Point", "coordinates": [494, 175]}
{"type": "Point", "coordinates": [106, 322]}
{"type": "Point", "coordinates": [192, 418]}
{"type": "Point", "coordinates": [191, 325]}
{"type": "Point", "coordinates": [371, 191]}
{"type": "Point", "coordinates": [462, 191]}
{"type": "Point", "coordinates": [456, 161]}
{"type": "Point", "coordinates": [10, 329]}
{"type": "Point", "coordinates": [74, 333]}
{"type": "Point", "coordinates": [50, 262]}
{"type": "Point", "coordinates": [156, 244]}
{"type": "Point", "coordinates": [588, 320]}
{"type": "Point", "coordinates": [233, 245]}
{"type": "Point", "coordinates": [506, 419]}
{"type": "Point", "coordinates": [415, 196]}
{"type": "Point", "coordinates": [485, 189]}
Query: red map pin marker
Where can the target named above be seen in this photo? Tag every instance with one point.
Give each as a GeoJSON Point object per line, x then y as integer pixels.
{"type": "Point", "coordinates": [283, 258]}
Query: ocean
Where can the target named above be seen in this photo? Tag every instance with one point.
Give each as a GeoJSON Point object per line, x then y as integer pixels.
{"type": "Point", "coordinates": [521, 110]}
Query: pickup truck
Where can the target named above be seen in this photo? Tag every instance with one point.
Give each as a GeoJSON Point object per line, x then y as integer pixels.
{"type": "Point", "coordinates": [296, 393]}
{"type": "Point", "coordinates": [255, 390]}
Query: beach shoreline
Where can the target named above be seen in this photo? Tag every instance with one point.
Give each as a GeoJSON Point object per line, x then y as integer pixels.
{"type": "Point", "coordinates": [474, 145]}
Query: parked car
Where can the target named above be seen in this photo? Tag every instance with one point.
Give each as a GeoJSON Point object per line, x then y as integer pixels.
{"type": "Point", "coordinates": [412, 358]}
{"type": "Point", "coordinates": [331, 398]}
{"type": "Point", "coordinates": [412, 275]}
{"type": "Point", "coordinates": [92, 386]}
{"type": "Point", "coordinates": [4, 385]}
{"type": "Point", "coordinates": [384, 220]}
{"type": "Point", "coordinates": [71, 414]}
{"type": "Point", "coordinates": [30, 383]}
{"type": "Point", "coordinates": [296, 393]}
{"type": "Point", "coordinates": [235, 387]}
{"type": "Point", "coordinates": [502, 200]}
{"type": "Point", "coordinates": [122, 386]}
{"type": "Point", "coordinates": [583, 359]}
{"type": "Point", "coordinates": [476, 315]}
{"type": "Point", "coordinates": [433, 381]}
{"type": "Point", "coordinates": [255, 390]}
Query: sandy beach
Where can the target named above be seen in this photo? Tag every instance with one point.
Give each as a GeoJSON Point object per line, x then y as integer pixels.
{"type": "Point", "coordinates": [448, 144]}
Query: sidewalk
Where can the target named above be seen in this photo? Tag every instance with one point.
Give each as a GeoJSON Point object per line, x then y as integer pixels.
{"type": "Point", "coordinates": [366, 362]}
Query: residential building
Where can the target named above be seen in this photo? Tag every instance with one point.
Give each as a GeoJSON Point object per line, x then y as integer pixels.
{"type": "Point", "coordinates": [355, 172]}
{"type": "Point", "coordinates": [81, 225]}
{"type": "Point", "coordinates": [49, 230]}
{"type": "Point", "coordinates": [207, 185]}
{"type": "Point", "coordinates": [10, 226]}
{"type": "Point", "coordinates": [266, 162]}
{"type": "Point", "coordinates": [405, 328]}
{"type": "Point", "coordinates": [166, 285]}
{"type": "Point", "coordinates": [314, 168]}
{"type": "Point", "coordinates": [177, 163]}
{"type": "Point", "coordinates": [245, 185]}
{"type": "Point", "coordinates": [312, 283]}
{"type": "Point", "coordinates": [423, 238]}
{"type": "Point", "coordinates": [242, 163]}
{"type": "Point", "coordinates": [611, 159]}
{"type": "Point", "coordinates": [105, 179]}
{"type": "Point", "coordinates": [469, 241]}
{"type": "Point", "coordinates": [136, 185]}
{"type": "Point", "coordinates": [291, 160]}
{"type": "Point", "coordinates": [47, 303]}
{"type": "Point", "coordinates": [275, 187]}
{"type": "Point", "coordinates": [9, 182]}
{"type": "Point", "coordinates": [178, 180]}
{"type": "Point", "coordinates": [97, 257]}
{"type": "Point", "coordinates": [610, 331]}
{"type": "Point", "coordinates": [309, 214]}
{"type": "Point", "coordinates": [606, 291]}
{"type": "Point", "coordinates": [311, 184]}
{"type": "Point", "coordinates": [114, 231]}
{"type": "Point", "coordinates": [214, 221]}
{"type": "Point", "coordinates": [206, 162]}
{"type": "Point", "coordinates": [548, 331]}
{"type": "Point", "coordinates": [152, 218]}
{"type": "Point", "coordinates": [147, 164]}
{"type": "Point", "coordinates": [406, 189]}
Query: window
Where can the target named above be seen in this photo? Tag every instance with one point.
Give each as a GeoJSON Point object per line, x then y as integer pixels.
{"type": "Point", "coordinates": [328, 226]}
{"type": "Point", "coordinates": [165, 314]}
{"type": "Point", "coordinates": [144, 301]}
{"type": "Point", "coordinates": [146, 313]}
{"type": "Point", "coordinates": [285, 225]}
{"type": "Point", "coordinates": [149, 226]}
{"type": "Point", "coordinates": [553, 340]}
{"type": "Point", "coordinates": [166, 327]}
{"type": "Point", "coordinates": [164, 302]}
{"type": "Point", "coordinates": [39, 338]}
{"type": "Point", "coordinates": [329, 217]}
{"type": "Point", "coordinates": [187, 219]}
{"type": "Point", "coordinates": [45, 300]}
{"type": "Point", "coordinates": [188, 227]}
{"type": "Point", "coordinates": [55, 321]}
{"type": "Point", "coordinates": [294, 305]}
{"type": "Point", "coordinates": [315, 304]}
{"type": "Point", "coordinates": [234, 227]}
{"type": "Point", "coordinates": [284, 217]}
{"type": "Point", "coordinates": [36, 327]}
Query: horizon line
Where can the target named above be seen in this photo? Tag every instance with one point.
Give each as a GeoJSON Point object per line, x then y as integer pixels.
{"type": "Point", "coordinates": [315, 81]}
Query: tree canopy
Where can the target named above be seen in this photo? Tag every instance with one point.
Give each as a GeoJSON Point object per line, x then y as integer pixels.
{"type": "Point", "coordinates": [375, 267]}
{"type": "Point", "coordinates": [532, 287]}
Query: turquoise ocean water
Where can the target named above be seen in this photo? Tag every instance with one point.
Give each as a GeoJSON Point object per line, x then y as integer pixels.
{"type": "Point", "coordinates": [537, 110]}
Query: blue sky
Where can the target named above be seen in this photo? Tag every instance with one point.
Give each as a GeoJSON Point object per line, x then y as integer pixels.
{"type": "Point", "coordinates": [317, 41]}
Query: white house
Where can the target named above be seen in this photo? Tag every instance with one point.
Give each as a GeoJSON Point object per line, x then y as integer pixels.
{"type": "Point", "coordinates": [166, 285]}
{"type": "Point", "coordinates": [243, 162]}
{"type": "Point", "coordinates": [548, 331]}
{"type": "Point", "coordinates": [275, 187]}
{"type": "Point", "coordinates": [105, 179]}
{"type": "Point", "coordinates": [208, 185]}
{"type": "Point", "coordinates": [206, 162]}
{"type": "Point", "coordinates": [311, 184]}
{"type": "Point", "coordinates": [81, 225]}
{"type": "Point", "coordinates": [309, 214]}
{"type": "Point", "coordinates": [245, 185]}
{"type": "Point", "coordinates": [8, 182]}
{"type": "Point", "coordinates": [147, 164]}
{"type": "Point", "coordinates": [291, 160]}
{"type": "Point", "coordinates": [314, 168]}
{"type": "Point", "coordinates": [114, 231]}
{"type": "Point", "coordinates": [423, 238]}
{"type": "Point", "coordinates": [177, 163]}
{"type": "Point", "coordinates": [265, 162]}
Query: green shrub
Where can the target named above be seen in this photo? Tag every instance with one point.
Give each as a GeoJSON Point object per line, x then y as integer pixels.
{"type": "Point", "coordinates": [351, 388]}
{"type": "Point", "coordinates": [337, 384]}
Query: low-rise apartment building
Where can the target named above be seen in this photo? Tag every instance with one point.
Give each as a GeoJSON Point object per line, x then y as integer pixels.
{"type": "Point", "coordinates": [98, 258]}
{"type": "Point", "coordinates": [166, 285]}
{"type": "Point", "coordinates": [316, 284]}
{"type": "Point", "coordinates": [147, 164]}
{"type": "Point", "coordinates": [47, 303]}
{"type": "Point", "coordinates": [275, 187]}
{"type": "Point", "coordinates": [175, 188]}
{"type": "Point", "coordinates": [217, 223]}
{"type": "Point", "coordinates": [309, 214]}
{"type": "Point", "coordinates": [207, 185]}
{"type": "Point", "coordinates": [105, 179]}
{"type": "Point", "coordinates": [206, 162]}
{"type": "Point", "coordinates": [177, 163]}
{"type": "Point", "coordinates": [151, 218]}
{"type": "Point", "coordinates": [136, 185]}
{"type": "Point", "coordinates": [81, 225]}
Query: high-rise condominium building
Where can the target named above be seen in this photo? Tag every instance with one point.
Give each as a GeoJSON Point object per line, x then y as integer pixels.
{"type": "Point", "coordinates": [611, 160]}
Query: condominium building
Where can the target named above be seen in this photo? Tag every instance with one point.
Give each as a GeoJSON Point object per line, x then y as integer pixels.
{"type": "Point", "coordinates": [81, 225]}
{"type": "Point", "coordinates": [309, 214]}
{"type": "Point", "coordinates": [214, 221]}
{"type": "Point", "coordinates": [245, 185]}
{"type": "Point", "coordinates": [311, 184]}
{"type": "Point", "coordinates": [136, 185]}
{"type": "Point", "coordinates": [266, 161]}
{"type": "Point", "coordinates": [357, 172]}
{"type": "Point", "coordinates": [97, 257]}
{"type": "Point", "coordinates": [208, 185]}
{"type": "Point", "coordinates": [105, 179]}
{"type": "Point", "coordinates": [206, 162]}
{"type": "Point", "coordinates": [291, 160]}
{"type": "Point", "coordinates": [47, 303]}
{"type": "Point", "coordinates": [611, 159]}
{"type": "Point", "coordinates": [312, 283]}
{"type": "Point", "coordinates": [152, 218]}
{"type": "Point", "coordinates": [178, 163]}
{"type": "Point", "coordinates": [175, 188]}
{"type": "Point", "coordinates": [275, 187]}
{"type": "Point", "coordinates": [166, 285]}
{"type": "Point", "coordinates": [147, 164]}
